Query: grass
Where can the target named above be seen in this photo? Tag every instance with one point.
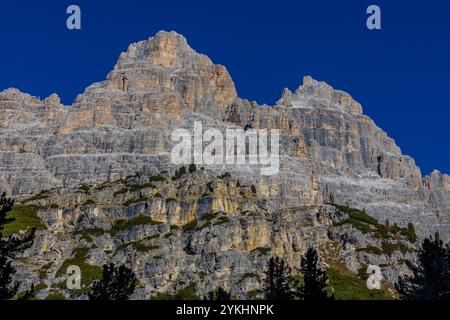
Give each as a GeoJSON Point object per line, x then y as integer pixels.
{"type": "Point", "coordinates": [24, 217]}
{"type": "Point", "coordinates": [363, 222]}
{"type": "Point", "coordinates": [89, 273]}
{"type": "Point", "coordinates": [350, 287]}
{"type": "Point", "coordinates": [123, 224]}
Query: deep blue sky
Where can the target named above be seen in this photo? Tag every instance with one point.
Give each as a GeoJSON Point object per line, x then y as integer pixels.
{"type": "Point", "coordinates": [400, 74]}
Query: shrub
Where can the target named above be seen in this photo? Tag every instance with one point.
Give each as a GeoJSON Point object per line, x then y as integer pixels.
{"type": "Point", "coordinates": [371, 250]}
{"type": "Point", "coordinates": [89, 202]}
{"type": "Point", "coordinates": [134, 200]}
{"type": "Point", "coordinates": [41, 195]}
{"type": "Point", "coordinates": [179, 173]}
{"type": "Point", "coordinates": [210, 216]}
{"type": "Point", "coordinates": [121, 191]}
{"type": "Point", "coordinates": [261, 250]}
{"type": "Point", "coordinates": [187, 293]}
{"type": "Point", "coordinates": [138, 187]}
{"type": "Point", "coordinates": [190, 225]}
{"type": "Point", "coordinates": [87, 234]}
{"type": "Point", "coordinates": [123, 224]}
{"type": "Point", "coordinates": [157, 178]}
{"type": "Point", "coordinates": [192, 168]}
{"type": "Point", "coordinates": [222, 220]}
{"type": "Point", "coordinates": [225, 175]}
{"type": "Point", "coordinates": [84, 188]}
{"type": "Point", "coordinates": [409, 232]}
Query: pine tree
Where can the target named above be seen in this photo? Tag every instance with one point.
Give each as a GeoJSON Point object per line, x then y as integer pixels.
{"type": "Point", "coordinates": [430, 279]}
{"type": "Point", "coordinates": [314, 279]}
{"type": "Point", "coordinates": [219, 295]}
{"type": "Point", "coordinates": [116, 284]}
{"type": "Point", "coordinates": [277, 284]}
{"type": "Point", "coordinates": [387, 224]}
{"type": "Point", "coordinates": [9, 248]}
{"type": "Point", "coordinates": [192, 168]}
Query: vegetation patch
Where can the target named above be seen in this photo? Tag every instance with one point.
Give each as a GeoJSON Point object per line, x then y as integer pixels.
{"type": "Point", "coordinates": [89, 202]}
{"type": "Point", "coordinates": [222, 220]}
{"type": "Point", "coordinates": [134, 200]}
{"type": "Point", "coordinates": [250, 275]}
{"type": "Point", "coordinates": [139, 246]}
{"type": "Point", "coordinates": [350, 287]}
{"type": "Point", "coordinates": [203, 226]}
{"type": "Point", "coordinates": [390, 248]}
{"type": "Point", "coordinates": [225, 175]}
{"type": "Point", "coordinates": [123, 224]}
{"type": "Point", "coordinates": [157, 178]}
{"type": "Point", "coordinates": [89, 273]}
{"type": "Point", "coordinates": [371, 250]}
{"type": "Point", "coordinates": [23, 218]}
{"type": "Point", "coordinates": [84, 188]}
{"type": "Point", "coordinates": [121, 191]}
{"type": "Point", "coordinates": [55, 296]}
{"type": "Point", "coordinates": [139, 187]}
{"type": "Point", "coordinates": [262, 250]}
{"type": "Point", "coordinates": [210, 216]}
{"type": "Point", "coordinates": [41, 195]}
{"type": "Point", "coordinates": [190, 226]}
{"type": "Point", "coordinates": [179, 173]}
{"type": "Point", "coordinates": [44, 270]}
{"type": "Point", "coordinates": [187, 293]}
{"type": "Point", "coordinates": [88, 234]}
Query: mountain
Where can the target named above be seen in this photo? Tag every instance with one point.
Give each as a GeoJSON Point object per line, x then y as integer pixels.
{"type": "Point", "coordinates": [98, 176]}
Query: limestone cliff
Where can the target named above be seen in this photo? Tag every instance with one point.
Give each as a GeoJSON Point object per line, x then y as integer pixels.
{"type": "Point", "coordinates": [330, 152]}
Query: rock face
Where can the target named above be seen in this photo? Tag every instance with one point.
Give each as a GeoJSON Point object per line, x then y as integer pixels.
{"type": "Point", "coordinates": [330, 152]}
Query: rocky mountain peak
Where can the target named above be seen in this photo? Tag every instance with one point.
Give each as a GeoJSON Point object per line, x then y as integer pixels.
{"type": "Point", "coordinates": [15, 95]}
{"type": "Point", "coordinates": [165, 49]}
{"type": "Point", "coordinates": [318, 94]}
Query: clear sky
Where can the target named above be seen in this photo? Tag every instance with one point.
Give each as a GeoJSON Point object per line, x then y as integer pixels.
{"type": "Point", "coordinates": [400, 74]}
